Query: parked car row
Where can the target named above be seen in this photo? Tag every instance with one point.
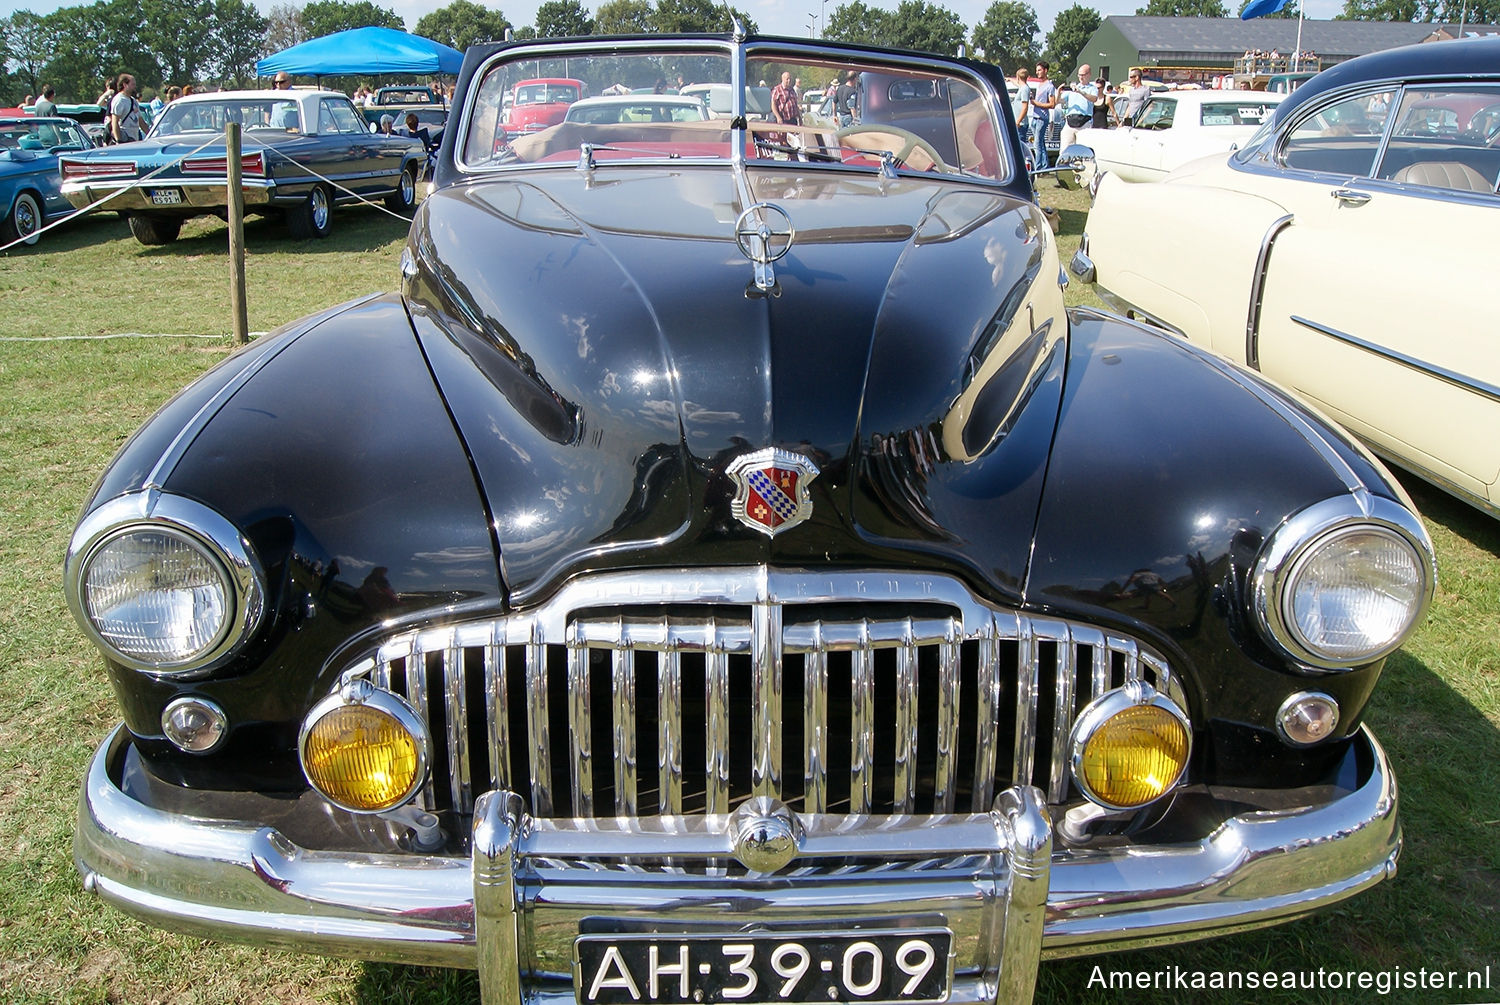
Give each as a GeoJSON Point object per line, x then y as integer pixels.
{"type": "Point", "coordinates": [724, 570]}
{"type": "Point", "coordinates": [1338, 252]}
{"type": "Point", "coordinates": [303, 152]}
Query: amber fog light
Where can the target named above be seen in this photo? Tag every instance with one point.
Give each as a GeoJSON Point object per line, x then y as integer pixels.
{"type": "Point", "coordinates": [364, 749]}
{"type": "Point", "coordinates": [1130, 746]}
{"type": "Point", "coordinates": [1308, 717]}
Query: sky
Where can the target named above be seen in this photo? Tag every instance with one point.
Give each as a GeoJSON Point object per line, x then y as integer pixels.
{"type": "Point", "coordinates": [775, 17]}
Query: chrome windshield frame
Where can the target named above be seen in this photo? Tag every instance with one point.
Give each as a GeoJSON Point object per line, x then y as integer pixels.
{"type": "Point", "coordinates": [740, 50]}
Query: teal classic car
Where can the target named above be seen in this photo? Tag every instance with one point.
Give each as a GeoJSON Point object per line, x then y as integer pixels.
{"type": "Point", "coordinates": [30, 192]}
{"type": "Point", "coordinates": [302, 152]}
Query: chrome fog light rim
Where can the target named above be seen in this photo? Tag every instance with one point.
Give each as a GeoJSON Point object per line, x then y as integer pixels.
{"type": "Point", "coordinates": [192, 522]}
{"type": "Point", "coordinates": [1106, 707]}
{"type": "Point", "coordinates": [1291, 546]}
{"type": "Point", "coordinates": [359, 691]}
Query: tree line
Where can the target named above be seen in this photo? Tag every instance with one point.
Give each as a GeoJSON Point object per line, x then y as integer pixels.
{"type": "Point", "coordinates": [216, 42]}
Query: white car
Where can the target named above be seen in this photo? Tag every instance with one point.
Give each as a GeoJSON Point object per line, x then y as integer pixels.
{"type": "Point", "coordinates": [1341, 253]}
{"type": "Point", "coordinates": [1177, 127]}
{"type": "Point", "coordinates": [611, 108]}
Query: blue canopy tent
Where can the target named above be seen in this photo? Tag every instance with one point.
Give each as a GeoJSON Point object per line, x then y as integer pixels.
{"type": "Point", "coordinates": [364, 51]}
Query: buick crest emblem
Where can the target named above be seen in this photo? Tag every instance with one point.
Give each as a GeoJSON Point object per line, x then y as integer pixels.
{"type": "Point", "coordinates": [771, 490]}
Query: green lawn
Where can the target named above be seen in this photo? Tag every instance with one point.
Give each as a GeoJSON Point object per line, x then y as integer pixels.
{"type": "Point", "coordinates": [66, 406]}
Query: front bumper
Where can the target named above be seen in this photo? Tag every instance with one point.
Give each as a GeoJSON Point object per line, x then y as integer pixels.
{"type": "Point", "coordinates": [199, 195]}
{"type": "Point", "coordinates": [1007, 889]}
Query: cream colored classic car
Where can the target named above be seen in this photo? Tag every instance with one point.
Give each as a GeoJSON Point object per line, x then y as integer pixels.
{"type": "Point", "coordinates": [1177, 127]}
{"type": "Point", "coordinates": [1342, 253]}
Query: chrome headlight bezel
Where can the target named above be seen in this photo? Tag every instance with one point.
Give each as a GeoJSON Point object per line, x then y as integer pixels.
{"type": "Point", "coordinates": [218, 540]}
{"type": "Point", "coordinates": [1289, 548]}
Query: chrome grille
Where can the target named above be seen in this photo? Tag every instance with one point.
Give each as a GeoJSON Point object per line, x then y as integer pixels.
{"type": "Point", "coordinates": [853, 694]}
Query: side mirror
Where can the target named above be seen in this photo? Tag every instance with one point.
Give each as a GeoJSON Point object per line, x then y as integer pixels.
{"type": "Point", "coordinates": [1078, 164]}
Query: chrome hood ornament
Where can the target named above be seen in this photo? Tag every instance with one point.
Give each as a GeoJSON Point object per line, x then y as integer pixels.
{"type": "Point", "coordinates": [771, 489]}
{"type": "Point", "coordinates": [764, 234]}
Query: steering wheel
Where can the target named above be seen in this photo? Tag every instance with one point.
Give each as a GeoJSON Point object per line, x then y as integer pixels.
{"type": "Point", "coordinates": [911, 141]}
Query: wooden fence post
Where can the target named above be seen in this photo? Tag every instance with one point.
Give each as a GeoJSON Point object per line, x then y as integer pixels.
{"type": "Point", "coordinates": [236, 233]}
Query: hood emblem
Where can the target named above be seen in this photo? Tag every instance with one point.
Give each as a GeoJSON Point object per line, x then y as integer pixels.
{"type": "Point", "coordinates": [771, 490]}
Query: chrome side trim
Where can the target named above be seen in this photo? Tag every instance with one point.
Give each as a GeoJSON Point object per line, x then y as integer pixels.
{"type": "Point", "coordinates": [1257, 289]}
{"type": "Point", "coordinates": [1459, 380]}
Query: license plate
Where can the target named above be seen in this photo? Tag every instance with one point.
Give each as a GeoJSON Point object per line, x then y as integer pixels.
{"type": "Point", "coordinates": [908, 965]}
{"type": "Point", "coordinates": [165, 196]}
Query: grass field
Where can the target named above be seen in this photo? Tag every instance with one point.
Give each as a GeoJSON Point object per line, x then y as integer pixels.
{"type": "Point", "coordinates": [66, 406]}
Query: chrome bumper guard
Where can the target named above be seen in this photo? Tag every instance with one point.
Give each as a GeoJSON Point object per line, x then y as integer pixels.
{"type": "Point", "coordinates": [514, 909]}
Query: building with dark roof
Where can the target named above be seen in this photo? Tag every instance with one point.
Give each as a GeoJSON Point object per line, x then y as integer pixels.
{"type": "Point", "coordinates": [1219, 42]}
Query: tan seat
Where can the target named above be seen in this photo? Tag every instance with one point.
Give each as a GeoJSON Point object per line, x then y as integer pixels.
{"type": "Point", "coordinates": [1444, 174]}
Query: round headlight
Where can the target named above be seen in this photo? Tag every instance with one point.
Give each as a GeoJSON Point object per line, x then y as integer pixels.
{"type": "Point", "coordinates": [1130, 747]}
{"type": "Point", "coordinates": [1337, 591]}
{"type": "Point", "coordinates": [364, 749]}
{"type": "Point", "coordinates": [165, 587]}
{"type": "Point", "coordinates": [156, 596]}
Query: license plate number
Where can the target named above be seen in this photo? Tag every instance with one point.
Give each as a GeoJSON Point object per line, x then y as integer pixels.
{"type": "Point", "coordinates": [875, 966]}
{"type": "Point", "coordinates": [165, 196]}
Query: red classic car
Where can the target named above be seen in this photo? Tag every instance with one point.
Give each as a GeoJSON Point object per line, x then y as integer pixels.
{"type": "Point", "coordinates": [542, 102]}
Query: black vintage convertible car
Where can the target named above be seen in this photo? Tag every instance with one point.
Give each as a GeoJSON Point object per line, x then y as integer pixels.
{"type": "Point", "coordinates": [725, 571]}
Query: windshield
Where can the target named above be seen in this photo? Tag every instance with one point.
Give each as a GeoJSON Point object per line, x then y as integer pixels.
{"type": "Point", "coordinates": [612, 105]}
{"type": "Point", "coordinates": [43, 135]}
{"type": "Point", "coordinates": [181, 117]}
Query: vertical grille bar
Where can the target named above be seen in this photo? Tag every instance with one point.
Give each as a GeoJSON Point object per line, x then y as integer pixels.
{"type": "Point", "coordinates": [1101, 668]}
{"type": "Point", "coordinates": [624, 721]}
{"type": "Point", "coordinates": [416, 693]}
{"type": "Point", "coordinates": [943, 794]}
{"type": "Point", "coordinates": [1062, 714]}
{"type": "Point", "coordinates": [861, 722]}
{"type": "Point", "coordinates": [1132, 657]}
{"type": "Point", "coordinates": [495, 706]}
{"type": "Point", "coordinates": [457, 697]}
{"type": "Point", "coordinates": [669, 731]}
{"type": "Point", "coordinates": [716, 694]}
{"type": "Point", "coordinates": [580, 726]}
{"type": "Point", "coordinates": [381, 675]}
{"type": "Point", "coordinates": [536, 706]}
{"type": "Point", "coordinates": [1026, 694]}
{"type": "Point", "coordinates": [765, 725]}
{"type": "Point", "coordinates": [815, 725]}
{"type": "Point", "coordinates": [986, 716]}
{"type": "Point", "coordinates": [906, 721]}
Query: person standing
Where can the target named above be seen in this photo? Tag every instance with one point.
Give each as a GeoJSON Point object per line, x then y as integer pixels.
{"type": "Point", "coordinates": [1136, 96]}
{"type": "Point", "coordinates": [281, 82]}
{"type": "Point", "coordinates": [125, 112]}
{"type": "Point", "coordinates": [845, 97]}
{"type": "Point", "coordinates": [1079, 102]}
{"type": "Point", "coordinates": [1020, 104]}
{"type": "Point", "coordinates": [784, 104]}
{"type": "Point", "coordinates": [1043, 100]}
{"type": "Point", "coordinates": [45, 106]}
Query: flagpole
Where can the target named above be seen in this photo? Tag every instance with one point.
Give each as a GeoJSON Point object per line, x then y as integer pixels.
{"type": "Point", "coordinates": [1297, 54]}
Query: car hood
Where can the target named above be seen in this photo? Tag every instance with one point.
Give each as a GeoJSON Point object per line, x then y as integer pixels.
{"type": "Point", "coordinates": [607, 356]}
